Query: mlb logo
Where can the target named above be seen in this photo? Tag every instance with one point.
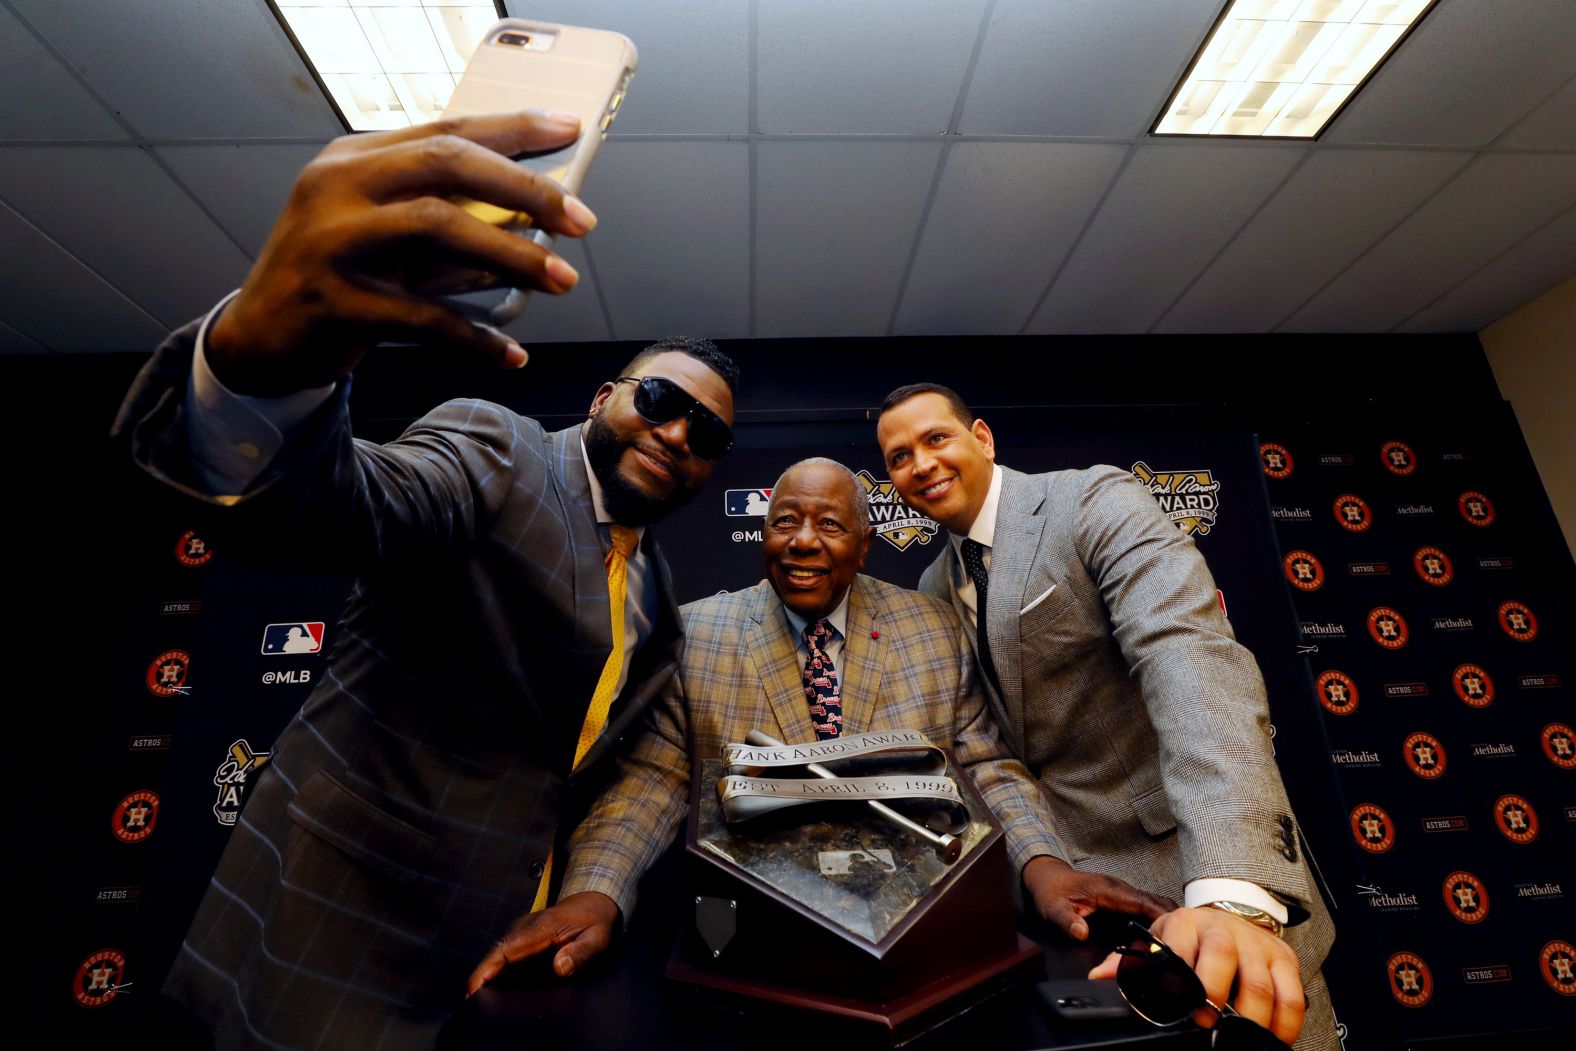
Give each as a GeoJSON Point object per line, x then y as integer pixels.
{"type": "Point", "coordinates": [302, 636]}
{"type": "Point", "coordinates": [746, 503]}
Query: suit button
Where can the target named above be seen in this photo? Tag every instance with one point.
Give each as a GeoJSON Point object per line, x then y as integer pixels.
{"type": "Point", "coordinates": [537, 869]}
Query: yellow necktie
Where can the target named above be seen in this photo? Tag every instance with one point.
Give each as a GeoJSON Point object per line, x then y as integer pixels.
{"type": "Point", "coordinates": [617, 562]}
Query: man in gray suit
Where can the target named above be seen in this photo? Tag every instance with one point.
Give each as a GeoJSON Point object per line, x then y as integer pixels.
{"type": "Point", "coordinates": [1116, 677]}
{"type": "Point", "coordinates": [510, 620]}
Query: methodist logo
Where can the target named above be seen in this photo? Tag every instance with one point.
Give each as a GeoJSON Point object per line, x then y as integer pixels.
{"type": "Point", "coordinates": [1189, 498]}
{"type": "Point", "coordinates": [295, 637]}
{"type": "Point", "coordinates": [894, 521]}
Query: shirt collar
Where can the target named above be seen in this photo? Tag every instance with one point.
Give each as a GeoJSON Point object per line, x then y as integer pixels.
{"type": "Point", "coordinates": [602, 517]}
{"type": "Point", "coordinates": [838, 618]}
{"type": "Point", "coordinates": [983, 530]}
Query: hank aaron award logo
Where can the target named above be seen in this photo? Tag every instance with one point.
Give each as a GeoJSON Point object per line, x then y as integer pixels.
{"type": "Point", "coordinates": [1473, 685]}
{"type": "Point", "coordinates": [1373, 829]}
{"type": "Point", "coordinates": [894, 521]}
{"type": "Point", "coordinates": [99, 978]}
{"type": "Point", "coordinates": [1517, 621]}
{"type": "Point", "coordinates": [135, 817]}
{"type": "Point", "coordinates": [1559, 744]}
{"type": "Point", "coordinates": [167, 674]}
{"type": "Point", "coordinates": [746, 503]}
{"type": "Point", "coordinates": [1516, 819]}
{"type": "Point", "coordinates": [1557, 963]}
{"type": "Point", "coordinates": [1476, 508]}
{"type": "Point", "coordinates": [230, 779]}
{"type": "Point", "coordinates": [1304, 571]}
{"type": "Point", "coordinates": [1352, 513]}
{"type": "Point", "coordinates": [1411, 982]}
{"type": "Point", "coordinates": [1424, 755]}
{"type": "Point", "coordinates": [1433, 566]}
{"type": "Point", "coordinates": [192, 550]}
{"type": "Point", "coordinates": [1398, 458]}
{"type": "Point", "coordinates": [1191, 499]}
{"type": "Point", "coordinates": [1387, 627]}
{"type": "Point", "coordinates": [1276, 460]}
{"type": "Point", "coordinates": [1337, 692]}
{"type": "Point", "coordinates": [1466, 897]}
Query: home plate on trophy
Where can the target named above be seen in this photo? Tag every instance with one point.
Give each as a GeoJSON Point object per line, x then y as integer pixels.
{"type": "Point", "coordinates": [861, 878]}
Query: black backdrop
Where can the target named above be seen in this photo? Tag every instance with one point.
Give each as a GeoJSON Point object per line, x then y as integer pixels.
{"type": "Point", "coordinates": [120, 596]}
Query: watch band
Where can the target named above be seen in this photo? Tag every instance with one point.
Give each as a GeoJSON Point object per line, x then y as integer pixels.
{"type": "Point", "coordinates": [1257, 917]}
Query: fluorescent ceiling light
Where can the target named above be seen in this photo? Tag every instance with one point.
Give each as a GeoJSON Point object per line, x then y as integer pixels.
{"type": "Point", "coordinates": [387, 63]}
{"type": "Point", "coordinates": [1282, 68]}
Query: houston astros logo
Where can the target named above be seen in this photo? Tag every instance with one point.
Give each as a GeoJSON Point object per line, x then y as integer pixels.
{"type": "Point", "coordinates": [1516, 819]}
{"type": "Point", "coordinates": [1304, 571]}
{"type": "Point", "coordinates": [1518, 621]}
{"type": "Point", "coordinates": [1557, 962]}
{"type": "Point", "coordinates": [1373, 829]}
{"type": "Point", "coordinates": [1473, 685]}
{"type": "Point", "coordinates": [1276, 460]}
{"type": "Point", "coordinates": [1411, 982]}
{"type": "Point", "coordinates": [1559, 744]}
{"type": "Point", "coordinates": [1424, 755]}
{"type": "Point", "coordinates": [1387, 627]}
{"type": "Point", "coordinates": [1337, 692]}
{"type": "Point", "coordinates": [1398, 458]}
{"type": "Point", "coordinates": [895, 522]}
{"type": "Point", "coordinates": [1353, 513]}
{"type": "Point", "coordinates": [1466, 897]}
{"type": "Point", "coordinates": [1433, 566]}
{"type": "Point", "coordinates": [192, 550]}
{"type": "Point", "coordinates": [135, 816]}
{"type": "Point", "coordinates": [167, 674]}
{"type": "Point", "coordinates": [1476, 508]}
{"type": "Point", "coordinates": [1191, 499]}
{"type": "Point", "coordinates": [99, 978]}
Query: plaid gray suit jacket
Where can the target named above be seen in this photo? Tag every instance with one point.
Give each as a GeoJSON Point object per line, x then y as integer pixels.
{"type": "Point", "coordinates": [741, 671]}
{"type": "Point", "coordinates": [404, 819]}
{"type": "Point", "coordinates": [1126, 693]}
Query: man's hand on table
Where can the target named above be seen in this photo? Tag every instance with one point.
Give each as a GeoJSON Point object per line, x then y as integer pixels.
{"type": "Point", "coordinates": [579, 926]}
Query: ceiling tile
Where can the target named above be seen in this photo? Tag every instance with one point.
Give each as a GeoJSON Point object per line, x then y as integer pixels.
{"type": "Point", "coordinates": [1004, 217]}
{"type": "Point", "coordinates": [13, 342]}
{"type": "Point", "coordinates": [117, 211]}
{"type": "Point", "coordinates": [670, 248]}
{"type": "Point", "coordinates": [1467, 73]}
{"type": "Point", "coordinates": [694, 74]}
{"type": "Point", "coordinates": [573, 317]}
{"type": "Point", "coordinates": [39, 98]}
{"type": "Point", "coordinates": [1082, 67]}
{"type": "Point", "coordinates": [243, 186]}
{"type": "Point", "coordinates": [1551, 126]}
{"type": "Point", "coordinates": [1329, 211]}
{"type": "Point", "coordinates": [836, 221]}
{"type": "Point", "coordinates": [1171, 211]}
{"type": "Point", "coordinates": [879, 66]}
{"type": "Point", "coordinates": [188, 70]}
{"type": "Point", "coordinates": [60, 304]}
{"type": "Point", "coordinates": [1516, 278]}
{"type": "Point", "coordinates": [1494, 203]}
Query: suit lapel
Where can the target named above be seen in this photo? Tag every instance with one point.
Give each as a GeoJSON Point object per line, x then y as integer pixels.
{"type": "Point", "coordinates": [592, 640]}
{"type": "Point", "coordinates": [1013, 728]}
{"type": "Point", "coordinates": [860, 670]}
{"type": "Point", "coordinates": [778, 666]}
{"type": "Point", "coordinates": [1017, 539]}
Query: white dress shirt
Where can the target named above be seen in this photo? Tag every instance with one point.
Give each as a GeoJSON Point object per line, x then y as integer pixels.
{"type": "Point", "coordinates": [837, 620]}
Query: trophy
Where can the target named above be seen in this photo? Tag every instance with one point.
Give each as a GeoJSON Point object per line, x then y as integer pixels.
{"type": "Point", "coordinates": [861, 878]}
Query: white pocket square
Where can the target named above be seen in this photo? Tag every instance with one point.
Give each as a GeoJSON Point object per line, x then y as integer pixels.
{"type": "Point", "coordinates": [1043, 596]}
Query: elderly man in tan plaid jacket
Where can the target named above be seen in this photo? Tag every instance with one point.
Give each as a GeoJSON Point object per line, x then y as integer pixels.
{"type": "Point", "coordinates": [897, 659]}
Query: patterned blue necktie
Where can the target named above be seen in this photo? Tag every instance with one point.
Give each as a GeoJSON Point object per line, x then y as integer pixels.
{"type": "Point", "coordinates": [821, 691]}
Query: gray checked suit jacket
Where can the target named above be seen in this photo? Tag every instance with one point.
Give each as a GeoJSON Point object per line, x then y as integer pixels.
{"type": "Point", "coordinates": [1125, 691]}
{"type": "Point", "coordinates": [904, 665]}
{"type": "Point", "coordinates": [404, 819]}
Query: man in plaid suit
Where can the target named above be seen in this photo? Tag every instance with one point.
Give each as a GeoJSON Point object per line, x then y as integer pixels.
{"type": "Point", "coordinates": [411, 807]}
{"type": "Point", "coordinates": [899, 661]}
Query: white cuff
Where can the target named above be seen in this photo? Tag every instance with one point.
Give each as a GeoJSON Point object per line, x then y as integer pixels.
{"type": "Point", "coordinates": [1203, 891]}
{"type": "Point", "coordinates": [234, 437]}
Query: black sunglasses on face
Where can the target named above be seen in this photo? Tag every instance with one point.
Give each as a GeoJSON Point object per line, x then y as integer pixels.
{"type": "Point", "coordinates": [1163, 989]}
{"type": "Point", "coordinates": [660, 400]}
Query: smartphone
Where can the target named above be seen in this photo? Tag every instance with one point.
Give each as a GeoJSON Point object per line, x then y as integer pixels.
{"type": "Point", "coordinates": [523, 64]}
{"type": "Point", "coordinates": [1083, 1000]}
